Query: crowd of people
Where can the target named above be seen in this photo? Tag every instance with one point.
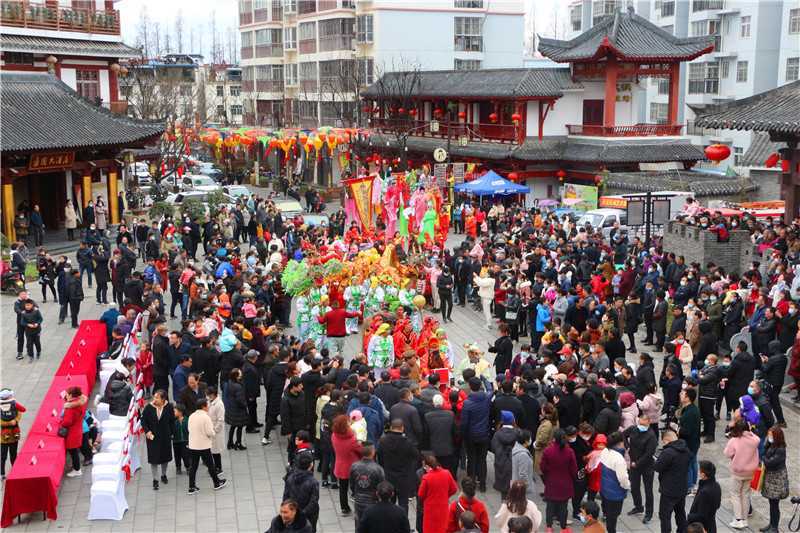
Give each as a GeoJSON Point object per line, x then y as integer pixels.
{"type": "Point", "coordinates": [569, 413]}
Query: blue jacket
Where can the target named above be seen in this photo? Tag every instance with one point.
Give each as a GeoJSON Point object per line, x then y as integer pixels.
{"type": "Point", "coordinates": [475, 417]}
{"type": "Point", "coordinates": [542, 317]}
{"type": "Point", "coordinates": [374, 424]}
{"type": "Point", "coordinates": [614, 481]}
{"type": "Point", "coordinates": [179, 380]}
{"type": "Point", "coordinates": [223, 269]}
{"type": "Point", "coordinates": [374, 403]}
{"type": "Point", "coordinates": [150, 273]}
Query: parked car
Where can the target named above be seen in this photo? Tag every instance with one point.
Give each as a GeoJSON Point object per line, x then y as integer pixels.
{"type": "Point", "coordinates": [315, 220]}
{"type": "Point", "coordinates": [603, 219]}
{"type": "Point", "coordinates": [237, 191]}
{"type": "Point", "coordinates": [196, 182]}
{"type": "Point", "coordinates": [176, 200]}
{"type": "Point", "coordinates": [289, 208]}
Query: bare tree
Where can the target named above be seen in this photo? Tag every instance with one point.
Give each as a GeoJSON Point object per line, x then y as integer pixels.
{"type": "Point", "coordinates": [167, 43]}
{"type": "Point", "coordinates": [397, 90]}
{"type": "Point", "coordinates": [179, 31]}
{"type": "Point", "coordinates": [156, 50]}
{"type": "Point", "coordinates": [143, 35]}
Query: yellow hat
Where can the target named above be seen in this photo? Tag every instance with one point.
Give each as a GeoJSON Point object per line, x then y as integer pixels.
{"type": "Point", "coordinates": [383, 328]}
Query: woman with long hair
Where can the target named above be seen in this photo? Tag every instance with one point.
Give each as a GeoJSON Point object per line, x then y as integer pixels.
{"type": "Point", "coordinates": [235, 409]}
{"type": "Point", "coordinates": [434, 493]}
{"type": "Point", "coordinates": [776, 478]}
{"type": "Point", "coordinates": [742, 450]}
{"type": "Point", "coordinates": [347, 450]}
{"type": "Point", "coordinates": [517, 504]}
{"type": "Point", "coordinates": [559, 471]}
{"type": "Point", "coordinates": [544, 434]}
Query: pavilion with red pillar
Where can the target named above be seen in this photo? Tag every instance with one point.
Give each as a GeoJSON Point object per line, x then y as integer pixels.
{"type": "Point", "coordinates": [621, 48]}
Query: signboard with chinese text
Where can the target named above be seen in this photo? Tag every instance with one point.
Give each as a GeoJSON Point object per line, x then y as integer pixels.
{"type": "Point", "coordinates": [579, 197]}
{"type": "Point", "coordinates": [440, 173]}
{"type": "Point", "coordinates": [51, 161]}
{"type": "Point", "coordinates": [459, 170]}
{"type": "Point", "coordinates": [613, 202]}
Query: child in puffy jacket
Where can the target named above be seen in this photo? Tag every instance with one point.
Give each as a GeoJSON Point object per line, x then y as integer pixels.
{"type": "Point", "coordinates": [10, 416]}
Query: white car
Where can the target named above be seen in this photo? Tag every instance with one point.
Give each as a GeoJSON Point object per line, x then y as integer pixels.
{"type": "Point", "coordinates": [237, 191]}
{"type": "Point", "coordinates": [199, 183]}
{"type": "Point", "coordinates": [177, 199]}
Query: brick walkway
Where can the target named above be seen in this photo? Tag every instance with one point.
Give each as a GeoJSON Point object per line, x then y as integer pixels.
{"type": "Point", "coordinates": [255, 476]}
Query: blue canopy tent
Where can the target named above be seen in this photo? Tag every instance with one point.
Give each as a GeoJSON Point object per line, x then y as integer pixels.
{"type": "Point", "coordinates": [492, 184]}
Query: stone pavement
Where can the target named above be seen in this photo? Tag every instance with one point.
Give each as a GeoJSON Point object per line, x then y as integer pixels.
{"type": "Point", "coordinates": [255, 484]}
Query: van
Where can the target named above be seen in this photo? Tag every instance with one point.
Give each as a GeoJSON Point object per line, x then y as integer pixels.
{"type": "Point", "coordinates": [604, 219]}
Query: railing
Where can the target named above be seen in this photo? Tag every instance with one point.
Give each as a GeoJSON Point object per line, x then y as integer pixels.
{"type": "Point", "coordinates": [473, 131]}
{"type": "Point", "coordinates": [21, 14]}
{"type": "Point", "coordinates": [335, 42]}
{"type": "Point", "coordinates": [307, 46]}
{"type": "Point", "coordinates": [261, 15]}
{"type": "Point", "coordinates": [247, 86]}
{"type": "Point", "coordinates": [327, 5]}
{"type": "Point", "coordinates": [635, 130]}
{"type": "Point", "coordinates": [269, 50]}
{"type": "Point", "coordinates": [269, 85]}
{"type": "Point", "coordinates": [247, 52]}
{"type": "Point", "coordinates": [704, 86]}
{"type": "Point", "coordinates": [308, 85]}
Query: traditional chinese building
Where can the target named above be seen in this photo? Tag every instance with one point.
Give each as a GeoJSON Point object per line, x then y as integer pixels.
{"type": "Point", "coordinates": [581, 115]}
{"type": "Point", "coordinates": [57, 146]}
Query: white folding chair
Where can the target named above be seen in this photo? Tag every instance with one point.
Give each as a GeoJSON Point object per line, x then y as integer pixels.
{"type": "Point", "coordinates": [108, 500]}
{"type": "Point", "coordinates": [111, 436]}
{"type": "Point", "coordinates": [102, 411]}
{"type": "Point", "coordinates": [107, 472]}
{"type": "Point", "coordinates": [105, 375]}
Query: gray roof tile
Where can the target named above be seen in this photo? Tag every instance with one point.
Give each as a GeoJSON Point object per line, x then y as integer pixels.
{"type": "Point", "coordinates": [628, 36]}
{"type": "Point", "coordinates": [760, 149]}
{"type": "Point", "coordinates": [41, 112]}
{"type": "Point", "coordinates": [776, 111]}
{"type": "Point", "coordinates": [699, 183]}
{"type": "Point", "coordinates": [77, 47]}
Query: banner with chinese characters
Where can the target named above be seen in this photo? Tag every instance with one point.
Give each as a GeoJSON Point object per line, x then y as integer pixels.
{"type": "Point", "coordinates": [361, 192]}
{"type": "Point", "coordinates": [51, 161]}
{"type": "Point", "coordinates": [579, 197]}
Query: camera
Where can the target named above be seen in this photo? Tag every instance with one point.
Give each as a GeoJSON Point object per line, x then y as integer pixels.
{"type": "Point", "coordinates": [796, 499]}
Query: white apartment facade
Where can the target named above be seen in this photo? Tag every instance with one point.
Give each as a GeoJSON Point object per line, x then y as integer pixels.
{"type": "Point", "coordinates": [222, 90]}
{"type": "Point", "coordinates": [757, 48]}
{"type": "Point", "coordinates": [304, 62]}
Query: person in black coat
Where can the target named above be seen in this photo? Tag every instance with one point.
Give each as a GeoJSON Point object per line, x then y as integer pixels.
{"type": "Point", "coordinates": [645, 375]}
{"type": "Point", "coordinates": [102, 275]}
{"type": "Point", "coordinates": [672, 466]}
{"type": "Point", "coordinates": [252, 389]}
{"type": "Point", "coordinates": [708, 344]}
{"type": "Point", "coordinates": [609, 418]}
{"type": "Point", "coordinates": [289, 520]}
{"type": "Point", "coordinates": [384, 516]}
{"type": "Point", "coordinates": [633, 317]}
{"type": "Point", "coordinates": [568, 406]}
{"type": "Point", "coordinates": [507, 400]}
{"type": "Point", "coordinates": [773, 371]}
{"type": "Point", "coordinates": [74, 296]}
{"type": "Point", "coordinates": [158, 423]}
{"type": "Point", "coordinates": [400, 460]}
{"type": "Point", "coordinates": [788, 330]}
{"type": "Point", "coordinates": [503, 349]}
{"type": "Point", "coordinates": [275, 383]}
{"type": "Point", "coordinates": [641, 442]}
{"type": "Point", "coordinates": [659, 320]}
{"type": "Point", "coordinates": [764, 332]}
{"type": "Point", "coordinates": [708, 498]}
{"type": "Point", "coordinates": [386, 391]}
{"type": "Point", "coordinates": [441, 424]}
{"type": "Point", "coordinates": [293, 413]}
{"type": "Point", "coordinates": [739, 375]}
{"type": "Point", "coordinates": [235, 409]}
{"type": "Point", "coordinates": [301, 487]}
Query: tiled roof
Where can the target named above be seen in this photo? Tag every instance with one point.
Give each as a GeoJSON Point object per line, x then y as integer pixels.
{"type": "Point", "coordinates": [760, 149]}
{"type": "Point", "coordinates": [560, 149]}
{"type": "Point", "coordinates": [699, 183]}
{"type": "Point", "coordinates": [76, 47]}
{"type": "Point", "coordinates": [627, 36]}
{"type": "Point", "coordinates": [41, 112]}
{"type": "Point", "coordinates": [506, 82]}
{"type": "Point", "coordinates": [776, 111]}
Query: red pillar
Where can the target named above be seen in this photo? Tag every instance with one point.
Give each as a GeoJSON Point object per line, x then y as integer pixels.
{"type": "Point", "coordinates": [610, 102]}
{"type": "Point", "coordinates": [674, 87]}
{"type": "Point", "coordinates": [113, 86]}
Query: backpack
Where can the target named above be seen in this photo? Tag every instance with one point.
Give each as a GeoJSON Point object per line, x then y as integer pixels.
{"type": "Point", "coordinates": [8, 413]}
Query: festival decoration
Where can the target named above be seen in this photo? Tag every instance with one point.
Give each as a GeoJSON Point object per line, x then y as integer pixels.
{"type": "Point", "coordinates": [462, 115]}
{"type": "Point", "coordinates": [513, 176]}
{"type": "Point", "coordinates": [360, 190]}
{"type": "Point", "coordinates": [717, 152]}
{"type": "Point", "coordinates": [492, 117]}
{"type": "Point", "coordinates": [561, 174]}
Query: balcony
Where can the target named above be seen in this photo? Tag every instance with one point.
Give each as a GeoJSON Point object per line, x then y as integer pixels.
{"type": "Point", "coordinates": [635, 130]}
{"type": "Point", "coordinates": [307, 46]}
{"type": "Point", "coordinates": [247, 86]}
{"type": "Point", "coordinates": [269, 86]}
{"type": "Point", "coordinates": [261, 15]}
{"type": "Point", "coordinates": [474, 132]}
{"type": "Point", "coordinates": [329, 43]}
{"type": "Point", "coordinates": [269, 50]}
{"type": "Point", "coordinates": [22, 14]}
{"type": "Point", "coordinates": [247, 52]}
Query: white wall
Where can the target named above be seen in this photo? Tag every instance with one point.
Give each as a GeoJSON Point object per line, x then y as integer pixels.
{"type": "Point", "coordinates": [105, 89]}
{"type": "Point", "coordinates": [68, 76]}
{"type": "Point", "coordinates": [790, 43]}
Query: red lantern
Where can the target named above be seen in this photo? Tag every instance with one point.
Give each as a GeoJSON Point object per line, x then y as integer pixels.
{"type": "Point", "coordinates": [513, 176]}
{"type": "Point", "coordinates": [358, 158]}
{"type": "Point", "coordinates": [561, 174]}
{"type": "Point", "coordinates": [322, 136]}
{"type": "Point", "coordinates": [516, 117]}
{"type": "Point", "coordinates": [717, 152]}
{"type": "Point", "coordinates": [303, 139]}
{"type": "Point", "coordinates": [412, 112]}
{"type": "Point", "coordinates": [366, 109]}
{"type": "Point", "coordinates": [598, 179]}
{"type": "Point", "coordinates": [785, 168]}
{"type": "Point", "coordinates": [401, 111]}
{"type": "Point", "coordinates": [772, 160]}
{"type": "Point", "coordinates": [462, 115]}
{"type": "Point", "coordinates": [437, 112]}
{"type": "Point", "coordinates": [493, 117]}
{"type": "Point", "coordinates": [385, 162]}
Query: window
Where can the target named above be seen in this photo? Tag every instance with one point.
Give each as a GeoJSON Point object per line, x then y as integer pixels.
{"type": "Point", "coordinates": [364, 29]}
{"type": "Point", "coordinates": [366, 71]}
{"type": "Point", "coordinates": [703, 78]}
{"type": "Point", "coordinates": [741, 71]}
{"type": "Point", "coordinates": [658, 113]}
{"type": "Point", "coordinates": [738, 155]}
{"type": "Point", "coordinates": [289, 7]}
{"type": "Point", "coordinates": [667, 8]}
{"type": "Point", "coordinates": [348, 4]}
{"type": "Point", "coordinates": [236, 109]}
{"type": "Point", "coordinates": [277, 10]}
{"type": "Point", "coordinates": [703, 5]}
{"type": "Point", "coordinates": [236, 90]}
{"type": "Point", "coordinates": [744, 32]}
{"type": "Point", "coordinates": [17, 58]}
{"type": "Point", "coordinates": [290, 38]}
{"type": "Point", "coordinates": [247, 39]}
{"type": "Point", "coordinates": [88, 84]}
{"type": "Point", "coordinates": [705, 27]}
{"type": "Point", "coordinates": [336, 34]}
{"type": "Point", "coordinates": [307, 37]}
{"type": "Point", "coordinates": [467, 64]}
{"type": "Point", "coordinates": [576, 17]}
{"type": "Point", "coordinates": [468, 37]}
{"type": "Point", "coordinates": [220, 111]}
{"type": "Point", "coordinates": [725, 67]}
{"type": "Point", "coordinates": [792, 68]}
{"type": "Point", "coordinates": [268, 37]}
{"type": "Point", "coordinates": [290, 73]}
{"type": "Point", "coordinates": [306, 6]}
{"type": "Point", "coordinates": [220, 90]}
{"type": "Point", "coordinates": [794, 21]}
{"type": "Point", "coordinates": [601, 8]}
{"type": "Point", "coordinates": [469, 4]}
{"type": "Point", "coordinates": [663, 85]}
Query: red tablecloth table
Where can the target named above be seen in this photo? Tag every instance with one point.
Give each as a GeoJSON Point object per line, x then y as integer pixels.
{"type": "Point", "coordinates": [81, 357]}
{"type": "Point", "coordinates": [33, 487]}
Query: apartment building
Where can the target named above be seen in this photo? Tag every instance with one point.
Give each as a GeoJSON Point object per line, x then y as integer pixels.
{"type": "Point", "coordinates": [757, 48]}
{"type": "Point", "coordinates": [305, 62]}
{"type": "Point", "coordinates": [222, 89]}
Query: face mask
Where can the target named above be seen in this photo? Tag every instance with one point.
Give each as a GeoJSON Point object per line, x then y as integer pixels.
{"type": "Point", "coordinates": [725, 365]}
{"type": "Point", "coordinates": [713, 298]}
{"type": "Point", "coordinates": [679, 341]}
{"type": "Point", "coordinates": [751, 391]}
{"type": "Point", "coordinates": [642, 428]}
{"type": "Point", "coordinates": [770, 440]}
{"type": "Point", "coordinates": [582, 518]}
{"type": "Point", "coordinates": [683, 283]}
{"type": "Point", "coordinates": [708, 363]}
{"type": "Point", "coordinates": [572, 440]}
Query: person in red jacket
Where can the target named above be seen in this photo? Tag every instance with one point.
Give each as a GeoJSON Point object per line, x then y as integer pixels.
{"type": "Point", "coordinates": [72, 422]}
{"type": "Point", "coordinates": [467, 502]}
{"type": "Point", "coordinates": [335, 322]}
{"type": "Point", "coordinates": [434, 492]}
